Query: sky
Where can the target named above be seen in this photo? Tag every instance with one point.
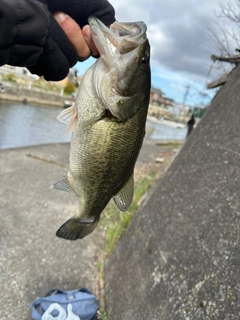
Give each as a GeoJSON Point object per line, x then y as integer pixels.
{"type": "Point", "coordinates": [181, 45]}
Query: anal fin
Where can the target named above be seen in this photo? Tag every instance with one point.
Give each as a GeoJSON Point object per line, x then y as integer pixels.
{"type": "Point", "coordinates": [123, 198]}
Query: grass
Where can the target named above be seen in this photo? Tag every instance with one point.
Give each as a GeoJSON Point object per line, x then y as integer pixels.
{"type": "Point", "coordinates": [48, 86]}
{"type": "Point", "coordinates": [116, 222]}
{"type": "Point", "coordinates": [40, 83]}
{"type": "Point", "coordinates": [103, 315]}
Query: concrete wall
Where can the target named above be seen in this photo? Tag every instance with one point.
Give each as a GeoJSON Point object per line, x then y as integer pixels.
{"type": "Point", "coordinates": [180, 258]}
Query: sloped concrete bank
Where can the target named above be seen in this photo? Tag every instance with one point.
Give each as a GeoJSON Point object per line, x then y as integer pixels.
{"type": "Point", "coordinates": [32, 259]}
{"type": "Point", "coordinates": [180, 257]}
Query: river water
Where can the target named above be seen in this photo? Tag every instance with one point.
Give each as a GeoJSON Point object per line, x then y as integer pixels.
{"type": "Point", "coordinates": [164, 132]}
{"type": "Point", "coordinates": [26, 125]}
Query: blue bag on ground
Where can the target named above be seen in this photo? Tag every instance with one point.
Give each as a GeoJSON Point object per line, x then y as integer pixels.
{"type": "Point", "coordinates": [84, 303]}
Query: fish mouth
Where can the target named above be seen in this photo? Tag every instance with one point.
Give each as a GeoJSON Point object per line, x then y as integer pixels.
{"type": "Point", "coordinates": [119, 38]}
{"type": "Point", "coordinates": [122, 47]}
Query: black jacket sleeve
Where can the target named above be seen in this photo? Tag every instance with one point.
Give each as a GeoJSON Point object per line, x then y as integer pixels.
{"type": "Point", "coordinates": [31, 37]}
{"type": "Point", "coordinates": [23, 31]}
{"type": "Point", "coordinates": [80, 10]}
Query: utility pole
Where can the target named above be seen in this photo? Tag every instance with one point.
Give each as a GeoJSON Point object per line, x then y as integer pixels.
{"type": "Point", "coordinates": [186, 94]}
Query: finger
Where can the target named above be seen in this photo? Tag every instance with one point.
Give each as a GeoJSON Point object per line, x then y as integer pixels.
{"type": "Point", "coordinates": [86, 31]}
{"type": "Point", "coordinates": [74, 34]}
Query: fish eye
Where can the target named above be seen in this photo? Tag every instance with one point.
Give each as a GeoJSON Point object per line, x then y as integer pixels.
{"type": "Point", "coordinates": [144, 62]}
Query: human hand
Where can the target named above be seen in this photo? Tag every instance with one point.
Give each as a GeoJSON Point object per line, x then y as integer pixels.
{"type": "Point", "coordinates": [66, 42]}
{"type": "Point", "coordinates": [81, 39]}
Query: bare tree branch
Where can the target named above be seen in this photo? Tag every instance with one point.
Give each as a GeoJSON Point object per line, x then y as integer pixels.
{"type": "Point", "coordinates": [227, 40]}
{"type": "Point", "coordinates": [228, 11]}
{"type": "Point", "coordinates": [216, 83]}
{"type": "Point", "coordinates": [232, 59]}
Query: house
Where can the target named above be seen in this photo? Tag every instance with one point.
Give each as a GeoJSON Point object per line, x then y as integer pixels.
{"type": "Point", "coordinates": [156, 96]}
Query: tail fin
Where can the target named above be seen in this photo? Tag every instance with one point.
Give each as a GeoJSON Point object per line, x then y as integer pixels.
{"type": "Point", "coordinates": [74, 229]}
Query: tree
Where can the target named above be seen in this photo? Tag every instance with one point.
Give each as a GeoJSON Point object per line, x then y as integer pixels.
{"type": "Point", "coordinates": [69, 88]}
{"type": "Point", "coordinates": [227, 40]}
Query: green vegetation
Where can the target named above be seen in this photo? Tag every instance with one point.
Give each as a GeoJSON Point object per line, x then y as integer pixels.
{"type": "Point", "coordinates": [45, 85]}
{"type": "Point", "coordinates": [41, 84]}
{"type": "Point", "coordinates": [51, 86]}
{"type": "Point", "coordinates": [9, 77]}
{"type": "Point", "coordinates": [69, 88]}
{"type": "Point", "coordinates": [115, 221]}
{"type": "Point", "coordinates": [104, 315]}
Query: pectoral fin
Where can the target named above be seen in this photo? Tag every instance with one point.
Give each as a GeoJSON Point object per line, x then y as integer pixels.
{"type": "Point", "coordinates": [91, 121]}
{"type": "Point", "coordinates": [66, 115]}
{"type": "Point", "coordinates": [63, 184]}
{"type": "Point", "coordinates": [123, 198]}
{"type": "Point", "coordinates": [69, 116]}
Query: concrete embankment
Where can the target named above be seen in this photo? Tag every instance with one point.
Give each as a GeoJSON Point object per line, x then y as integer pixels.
{"type": "Point", "coordinates": [33, 96]}
{"type": "Point", "coordinates": [32, 259]}
{"type": "Point", "coordinates": [180, 257]}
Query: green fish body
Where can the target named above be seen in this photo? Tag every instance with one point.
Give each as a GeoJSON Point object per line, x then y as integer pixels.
{"type": "Point", "coordinates": [108, 125]}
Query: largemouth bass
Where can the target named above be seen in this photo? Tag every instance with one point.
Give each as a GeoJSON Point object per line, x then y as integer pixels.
{"type": "Point", "coordinates": [108, 124]}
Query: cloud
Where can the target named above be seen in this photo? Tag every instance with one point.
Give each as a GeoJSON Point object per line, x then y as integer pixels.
{"type": "Point", "coordinates": [177, 31]}
{"type": "Point", "coordinates": [181, 43]}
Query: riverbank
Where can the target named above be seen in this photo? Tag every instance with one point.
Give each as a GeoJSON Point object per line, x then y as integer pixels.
{"type": "Point", "coordinates": [168, 123]}
{"type": "Point", "coordinates": [31, 95]}
{"type": "Point", "coordinates": [33, 260]}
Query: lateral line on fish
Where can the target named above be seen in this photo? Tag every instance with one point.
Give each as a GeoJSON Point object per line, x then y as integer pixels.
{"type": "Point", "coordinates": [30, 155]}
